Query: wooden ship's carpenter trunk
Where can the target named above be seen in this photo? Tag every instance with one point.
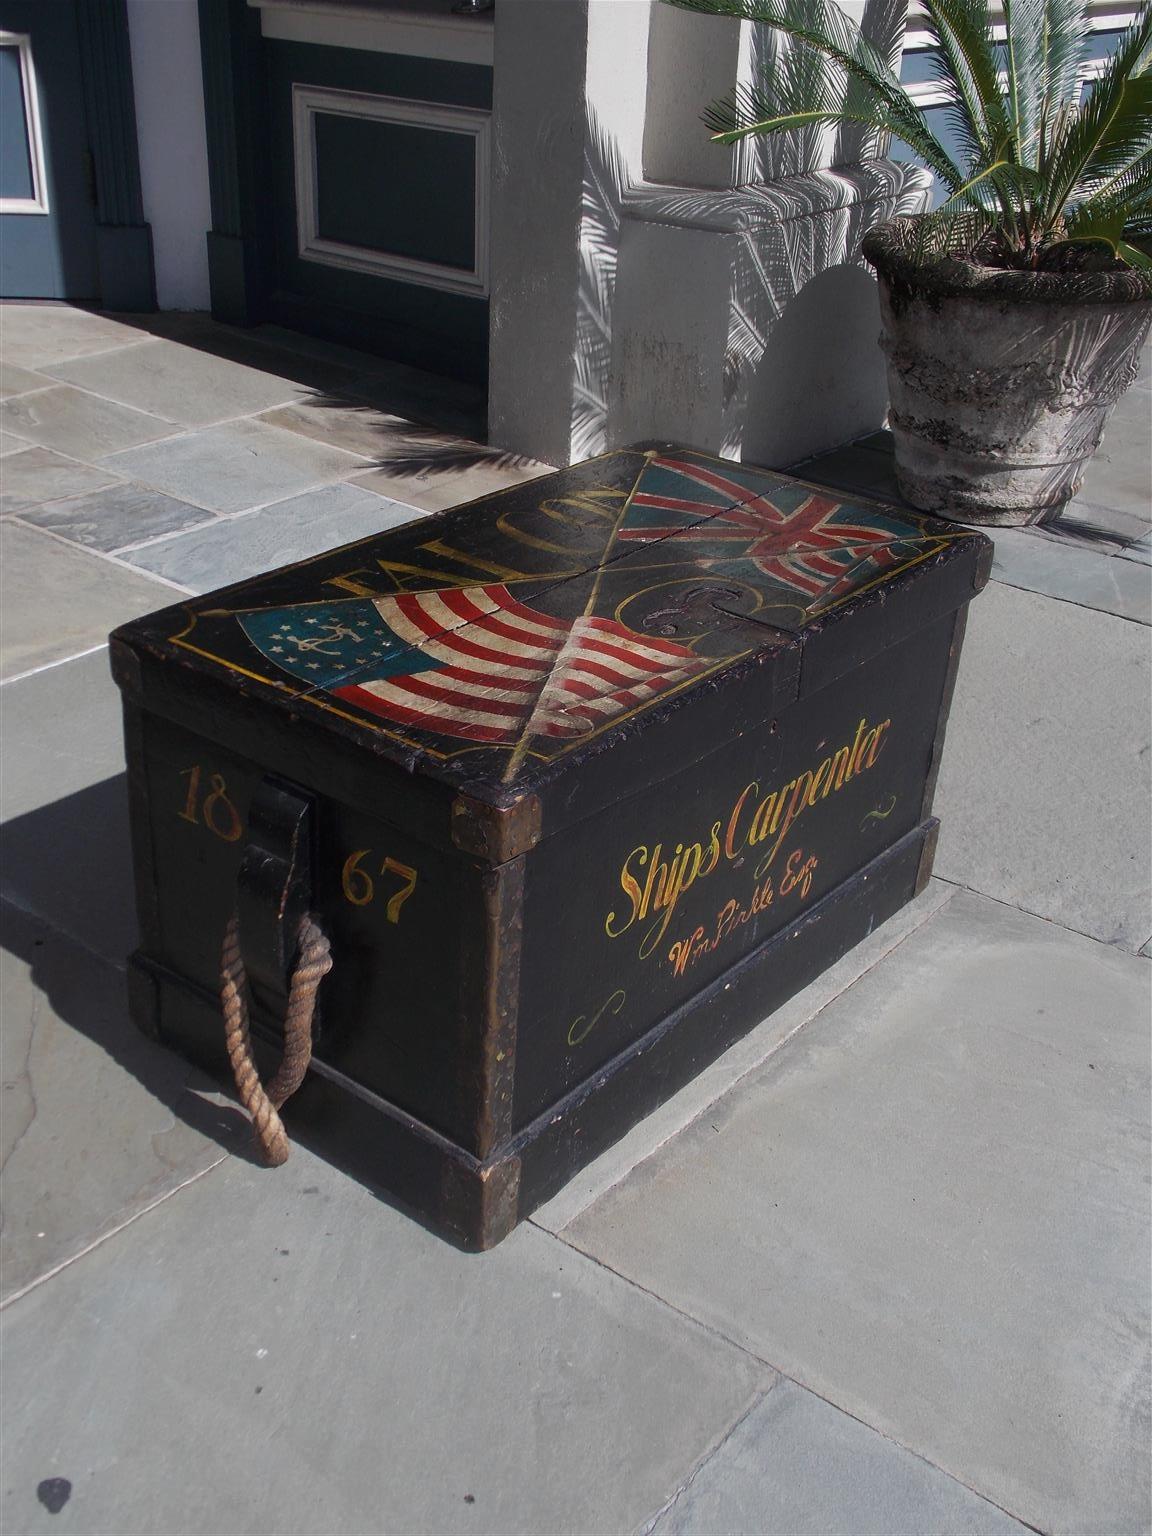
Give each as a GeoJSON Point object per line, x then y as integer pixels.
{"type": "Point", "coordinates": [581, 780]}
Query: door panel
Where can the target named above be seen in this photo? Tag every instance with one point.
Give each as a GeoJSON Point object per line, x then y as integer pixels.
{"type": "Point", "coordinates": [410, 161]}
{"type": "Point", "coordinates": [19, 147]}
{"type": "Point", "coordinates": [47, 216]}
{"type": "Point", "coordinates": [379, 202]}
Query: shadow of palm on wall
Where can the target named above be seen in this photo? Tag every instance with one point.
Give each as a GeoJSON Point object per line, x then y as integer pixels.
{"type": "Point", "coordinates": [787, 224]}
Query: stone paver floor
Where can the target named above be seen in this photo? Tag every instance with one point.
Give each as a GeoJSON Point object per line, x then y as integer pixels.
{"type": "Point", "coordinates": [883, 1268]}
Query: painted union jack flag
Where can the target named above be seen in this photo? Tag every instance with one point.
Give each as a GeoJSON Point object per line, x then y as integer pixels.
{"type": "Point", "coordinates": [798, 538]}
{"type": "Point", "coordinates": [675, 495]}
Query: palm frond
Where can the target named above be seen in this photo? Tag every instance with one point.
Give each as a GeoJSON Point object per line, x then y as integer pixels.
{"type": "Point", "coordinates": [966, 70]}
{"type": "Point", "coordinates": [791, 121]}
{"type": "Point", "coordinates": [1134, 256]}
{"type": "Point", "coordinates": [1044, 51]}
{"type": "Point", "coordinates": [1121, 212]}
{"type": "Point", "coordinates": [1124, 139]}
{"type": "Point", "coordinates": [823, 26]}
{"type": "Point", "coordinates": [1063, 43]}
{"type": "Point", "coordinates": [1037, 170]}
{"type": "Point", "coordinates": [1023, 61]}
{"type": "Point", "coordinates": [1114, 121]}
{"type": "Point", "coordinates": [1127, 187]}
{"type": "Point", "coordinates": [950, 231]}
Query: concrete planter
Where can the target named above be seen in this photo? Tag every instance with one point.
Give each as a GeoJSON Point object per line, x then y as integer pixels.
{"type": "Point", "coordinates": [1000, 382]}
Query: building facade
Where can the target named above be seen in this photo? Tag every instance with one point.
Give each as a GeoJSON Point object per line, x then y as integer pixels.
{"type": "Point", "coordinates": [522, 196]}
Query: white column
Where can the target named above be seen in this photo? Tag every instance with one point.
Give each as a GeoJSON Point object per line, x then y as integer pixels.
{"type": "Point", "coordinates": [537, 176]}
{"type": "Point", "coordinates": [570, 91]}
{"type": "Point", "coordinates": [165, 41]}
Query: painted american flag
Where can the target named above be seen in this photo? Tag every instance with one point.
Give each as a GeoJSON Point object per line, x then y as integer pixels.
{"type": "Point", "coordinates": [472, 662]}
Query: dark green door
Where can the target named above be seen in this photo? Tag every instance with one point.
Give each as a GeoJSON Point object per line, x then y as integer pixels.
{"type": "Point", "coordinates": [47, 213]}
{"type": "Point", "coordinates": [379, 202]}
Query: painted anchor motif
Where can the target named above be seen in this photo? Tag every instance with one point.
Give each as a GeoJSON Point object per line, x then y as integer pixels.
{"type": "Point", "coordinates": [321, 643]}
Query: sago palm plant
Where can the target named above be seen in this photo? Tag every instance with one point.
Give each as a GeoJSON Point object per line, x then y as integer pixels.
{"type": "Point", "coordinates": [1044, 181]}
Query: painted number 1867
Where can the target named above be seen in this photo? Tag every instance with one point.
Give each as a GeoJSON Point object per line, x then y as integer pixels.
{"type": "Point", "coordinates": [211, 806]}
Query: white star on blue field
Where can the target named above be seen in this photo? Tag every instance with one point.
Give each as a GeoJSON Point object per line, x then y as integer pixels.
{"type": "Point", "coordinates": [324, 643]}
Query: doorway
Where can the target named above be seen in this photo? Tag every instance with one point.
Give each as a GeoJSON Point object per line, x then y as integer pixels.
{"type": "Point", "coordinates": [47, 194]}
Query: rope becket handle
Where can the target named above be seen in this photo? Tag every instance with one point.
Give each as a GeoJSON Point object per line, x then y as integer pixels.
{"type": "Point", "coordinates": [313, 963]}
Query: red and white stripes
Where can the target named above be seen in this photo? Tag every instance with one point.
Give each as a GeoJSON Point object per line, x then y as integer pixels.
{"type": "Point", "coordinates": [506, 670]}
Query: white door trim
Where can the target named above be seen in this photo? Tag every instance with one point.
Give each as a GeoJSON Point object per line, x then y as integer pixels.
{"type": "Point", "coordinates": [38, 202]}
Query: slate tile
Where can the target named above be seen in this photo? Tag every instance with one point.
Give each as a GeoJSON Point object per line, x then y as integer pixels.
{"type": "Point", "coordinates": [1139, 550]}
{"type": "Point", "coordinates": [1075, 533]}
{"type": "Point", "coordinates": [798, 1466]}
{"type": "Point", "coordinates": [427, 398]}
{"type": "Point", "coordinates": [1120, 475]}
{"type": "Point", "coordinates": [231, 468]}
{"type": "Point", "coordinates": [244, 346]}
{"type": "Point", "coordinates": [329, 369]}
{"type": "Point", "coordinates": [35, 335]}
{"type": "Point", "coordinates": [1022, 558]}
{"type": "Point", "coordinates": [20, 381]}
{"type": "Point", "coordinates": [60, 733]}
{"type": "Point", "coordinates": [79, 424]}
{"type": "Point", "coordinates": [234, 548]}
{"type": "Point", "coordinates": [281, 338]}
{"type": "Point", "coordinates": [57, 601]}
{"type": "Point", "coordinates": [1082, 517]}
{"type": "Point", "coordinates": [38, 475]}
{"type": "Point", "coordinates": [99, 1123]}
{"type": "Point", "coordinates": [697, 1097]}
{"type": "Point", "coordinates": [931, 1209]}
{"type": "Point", "coordinates": [451, 404]}
{"type": "Point", "coordinates": [1132, 413]}
{"type": "Point", "coordinates": [62, 789]}
{"type": "Point", "coordinates": [281, 1352]}
{"type": "Point", "coordinates": [420, 465]}
{"type": "Point", "coordinates": [433, 477]}
{"type": "Point", "coordinates": [180, 383]}
{"type": "Point", "coordinates": [359, 428]}
{"type": "Point", "coordinates": [110, 519]}
{"type": "Point", "coordinates": [1044, 790]}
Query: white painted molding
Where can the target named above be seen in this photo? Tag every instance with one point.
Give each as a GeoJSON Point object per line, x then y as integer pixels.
{"type": "Point", "coordinates": [916, 39]}
{"type": "Point", "coordinates": [423, 34]}
{"type": "Point", "coordinates": [38, 202]}
{"type": "Point", "coordinates": [1104, 16]}
{"type": "Point", "coordinates": [307, 101]}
